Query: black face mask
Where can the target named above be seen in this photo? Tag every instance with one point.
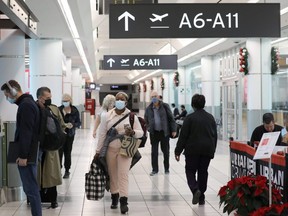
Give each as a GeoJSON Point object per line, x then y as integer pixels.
{"type": "Point", "coordinates": [47, 102]}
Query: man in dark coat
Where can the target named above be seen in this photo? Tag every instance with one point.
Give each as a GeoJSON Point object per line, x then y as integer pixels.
{"type": "Point", "coordinates": [26, 136]}
{"type": "Point", "coordinates": [198, 139]}
{"type": "Point", "coordinates": [268, 126]}
{"type": "Point", "coordinates": [161, 125]}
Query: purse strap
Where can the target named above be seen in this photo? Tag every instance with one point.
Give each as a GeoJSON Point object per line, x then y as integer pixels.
{"type": "Point", "coordinates": [114, 125]}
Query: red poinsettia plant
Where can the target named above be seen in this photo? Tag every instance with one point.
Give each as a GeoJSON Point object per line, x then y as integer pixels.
{"type": "Point", "coordinates": [273, 210]}
{"type": "Point", "coordinates": [247, 194]}
{"type": "Point", "coordinates": [243, 60]}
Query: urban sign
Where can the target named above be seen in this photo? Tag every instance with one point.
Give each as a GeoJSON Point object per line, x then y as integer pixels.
{"type": "Point", "coordinates": [130, 62]}
{"type": "Point", "coordinates": [194, 20]}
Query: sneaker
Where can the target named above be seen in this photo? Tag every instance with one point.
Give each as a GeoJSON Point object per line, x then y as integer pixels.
{"type": "Point", "coordinates": [66, 175]}
{"type": "Point", "coordinates": [167, 172]}
{"type": "Point", "coordinates": [153, 173]}
{"type": "Point", "coordinates": [196, 196]}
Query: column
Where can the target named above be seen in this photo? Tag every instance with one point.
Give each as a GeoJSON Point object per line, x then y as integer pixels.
{"type": "Point", "coordinates": [78, 93]}
{"type": "Point", "coordinates": [12, 66]}
{"type": "Point", "coordinates": [181, 88]}
{"type": "Point", "coordinates": [210, 78]}
{"type": "Point", "coordinates": [259, 89]}
{"type": "Point", "coordinates": [67, 75]}
{"type": "Point", "coordinates": [46, 67]}
{"type": "Point", "coordinates": [165, 91]}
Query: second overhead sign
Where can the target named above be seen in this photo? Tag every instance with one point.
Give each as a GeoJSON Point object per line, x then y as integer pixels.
{"type": "Point", "coordinates": [141, 62]}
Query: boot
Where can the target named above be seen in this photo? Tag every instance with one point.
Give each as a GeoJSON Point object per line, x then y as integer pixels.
{"type": "Point", "coordinates": [115, 200]}
{"type": "Point", "coordinates": [124, 205]}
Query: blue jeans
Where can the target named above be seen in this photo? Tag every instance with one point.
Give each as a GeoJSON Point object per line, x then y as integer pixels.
{"type": "Point", "coordinates": [28, 175]}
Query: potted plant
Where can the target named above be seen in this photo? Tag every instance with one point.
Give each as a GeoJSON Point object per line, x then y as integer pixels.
{"type": "Point", "coordinates": [247, 194]}
{"type": "Point", "coordinates": [276, 209]}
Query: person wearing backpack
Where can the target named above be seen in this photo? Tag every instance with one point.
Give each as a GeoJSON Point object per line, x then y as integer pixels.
{"type": "Point", "coordinates": [161, 126]}
{"type": "Point", "coordinates": [71, 118]}
{"type": "Point", "coordinates": [50, 165]}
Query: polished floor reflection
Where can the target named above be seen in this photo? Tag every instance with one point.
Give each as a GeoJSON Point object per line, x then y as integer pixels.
{"type": "Point", "coordinates": [162, 194]}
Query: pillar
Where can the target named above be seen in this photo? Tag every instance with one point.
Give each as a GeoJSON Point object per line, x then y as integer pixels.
{"type": "Point", "coordinates": [78, 87]}
{"type": "Point", "coordinates": [259, 88]}
{"type": "Point", "coordinates": [12, 66]}
{"type": "Point", "coordinates": [210, 78]}
{"type": "Point", "coordinates": [46, 67]}
{"type": "Point", "coordinates": [67, 75]}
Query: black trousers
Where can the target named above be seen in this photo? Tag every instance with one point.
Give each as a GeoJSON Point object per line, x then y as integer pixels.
{"type": "Point", "coordinates": [155, 138]}
{"type": "Point", "coordinates": [66, 150]}
{"type": "Point", "coordinates": [199, 164]}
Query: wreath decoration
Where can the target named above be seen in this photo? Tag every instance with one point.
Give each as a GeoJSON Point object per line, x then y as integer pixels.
{"type": "Point", "coordinates": [176, 79]}
{"type": "Point", "coordinates": [243, 61]}
{"type": "Point", "coordinates": [144, 87]}
{"type": "Point", "coordinates": [162, 83]}
{"type": "Point", "coordinates": [274, 60]}
{"type": "Point", "coordinates": [152, 84]}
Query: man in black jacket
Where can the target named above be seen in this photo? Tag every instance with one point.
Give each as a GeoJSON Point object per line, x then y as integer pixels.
{"type": "Point", "coordinates": [26, 136]}
{"type": "Point", "coordinates": [198, 139]}
{"type": "Point", "coordinates": [161, 125]}
{"type": "Point", "coordinates": [268, 126]}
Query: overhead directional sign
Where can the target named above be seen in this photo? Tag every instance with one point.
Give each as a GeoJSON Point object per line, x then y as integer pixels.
{"type": "Point", "coordinates": [194, 20]}
{"type": "Point", "coordinates": [130, 62]}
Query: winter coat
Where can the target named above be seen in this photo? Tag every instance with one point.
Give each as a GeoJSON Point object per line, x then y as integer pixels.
{"type": "Point", "coordinates": [73, 118]}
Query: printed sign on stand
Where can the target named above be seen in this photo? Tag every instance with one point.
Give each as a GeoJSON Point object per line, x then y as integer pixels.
{"type": "Point", "coordinates": [266, 145]}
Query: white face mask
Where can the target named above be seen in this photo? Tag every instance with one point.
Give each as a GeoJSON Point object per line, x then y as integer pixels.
{"type": "Point", "coordinates": [66, 103]}
{"type": "Point", "coordinates": [120, 104]}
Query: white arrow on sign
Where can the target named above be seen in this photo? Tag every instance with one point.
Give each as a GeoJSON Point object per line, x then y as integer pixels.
{"type": "Point", "coordinates": [110, 61]}
{"type": "Point", "coordinates": [126, 15]}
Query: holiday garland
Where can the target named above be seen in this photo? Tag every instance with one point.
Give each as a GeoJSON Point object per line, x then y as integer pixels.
{"type": "Point", "coordinates": [176, 79]}
{"type": "Point", "coordinates": [274, 60]}
{"type": "Point", "coordinates": [162, 83]}
{"type": "Point", "coordinates": [152, 84]}
{"type": "Point", "coordinates": [243, 60]}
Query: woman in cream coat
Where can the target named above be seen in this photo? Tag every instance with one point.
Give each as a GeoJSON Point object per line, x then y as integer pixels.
{"type": "Point", "coordinates": [118, 165]}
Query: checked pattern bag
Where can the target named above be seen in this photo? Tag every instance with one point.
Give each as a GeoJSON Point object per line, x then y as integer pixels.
{"type": "Point", "coordinates": [95, 182]}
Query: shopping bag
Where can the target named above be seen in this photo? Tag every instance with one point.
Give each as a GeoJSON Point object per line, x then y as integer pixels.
{"type": "Point", "coordinates": [95, 182]}
{"type": "Point", "coordinates": [129, 146]}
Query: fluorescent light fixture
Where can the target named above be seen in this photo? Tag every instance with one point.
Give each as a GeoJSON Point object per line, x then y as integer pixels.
{"type": "Point", "coordinates": [279, 40]}
{"type": "Point", "coordinates": [215, 43]}
{"type": "Point", "coordinates": [283, 11]}
{"type": "Point", "coordinates": [253, 1]}
{"type": "Point", "coordinates": [150, 74]}
{"type": "Point", "coordinates": [196, 67]}
{"type": "Point", "coordinates": [74, 32]}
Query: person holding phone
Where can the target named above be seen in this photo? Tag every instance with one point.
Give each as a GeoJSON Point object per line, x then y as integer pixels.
{"type": "Point", "coordinates": [118, 165]}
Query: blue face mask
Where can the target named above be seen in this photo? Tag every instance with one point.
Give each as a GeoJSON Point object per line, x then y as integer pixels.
{"type": "Point", "coordinates": [154, 100]}
{"type": "Point", "coordinates": [66, 103]}
{"type": "Point", "coordinates": [11, 100]}
{"type": "Point", "coordinates": [120, 104]}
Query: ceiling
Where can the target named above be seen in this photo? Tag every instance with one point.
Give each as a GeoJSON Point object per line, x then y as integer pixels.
{"type": "Point", "coordinates": [94, 34]}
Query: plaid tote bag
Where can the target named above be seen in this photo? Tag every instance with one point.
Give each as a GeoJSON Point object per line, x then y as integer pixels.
{"type": "Point", "coordinates": [95, 182]}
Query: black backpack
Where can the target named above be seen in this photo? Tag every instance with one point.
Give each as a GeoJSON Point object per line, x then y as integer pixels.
{"type": "Point", "coordinates": [52, 136]}
{"type": "Point", "coordinates": [144, 128]}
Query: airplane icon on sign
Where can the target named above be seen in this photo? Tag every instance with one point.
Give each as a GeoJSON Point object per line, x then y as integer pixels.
{"type": "Point", "coordinates": [124, 61]}
{"type": "Point", "coordinates": [158, 17]}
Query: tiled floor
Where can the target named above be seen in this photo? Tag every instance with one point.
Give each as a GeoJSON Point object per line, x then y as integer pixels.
{"type": "Point", "coordinates": [157, 195]}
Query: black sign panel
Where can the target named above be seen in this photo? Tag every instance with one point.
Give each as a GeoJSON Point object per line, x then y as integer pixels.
{"type": "Point", "coordinates": [130, 62]}
{"type": "Point", "coordinates": [194, 20]}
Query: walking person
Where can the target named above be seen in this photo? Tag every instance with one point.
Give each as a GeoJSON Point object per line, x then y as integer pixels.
{"type": "Point", "coordinates": [118, 165]}
{"type": "Point", "coordinates": [26, 136]}
{"type": "Point", "coordinates": [107, 104]}
{"type": "Point", "coordinates": [198, 139]}
{"type": "Point", "coordinates": [161, 125]}
{"type": "Point", "coordinates": [50, 165]}
{"type": "Point", "coordinates": [70, 115]}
